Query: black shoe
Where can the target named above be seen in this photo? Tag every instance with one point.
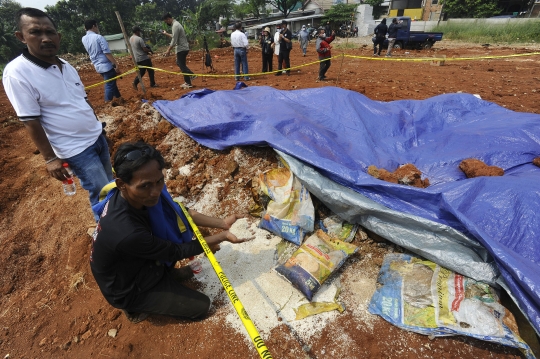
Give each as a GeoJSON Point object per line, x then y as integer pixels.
{"type": "Point", "coordinates": [154, 85]}
{"type": "Point", "coordinates": [135, 87]}
{"type": "Point", "coordinates": [278, 73]}
{"type": "Point", "coordinates": [135, 317]}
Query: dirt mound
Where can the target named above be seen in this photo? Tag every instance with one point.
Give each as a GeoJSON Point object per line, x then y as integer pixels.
{"type": "Point", "coordinates": [50, 303]}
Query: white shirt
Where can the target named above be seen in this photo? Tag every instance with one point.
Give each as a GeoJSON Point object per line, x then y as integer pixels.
{"type": "Point", "coordinates": [37, 89]}
{"type": "Point", "coordinates": [239, 39]}
{"type": "Point", "coordinates": [276, 42]}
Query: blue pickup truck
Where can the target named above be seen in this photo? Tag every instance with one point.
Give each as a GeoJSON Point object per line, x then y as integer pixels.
{"type": "Point", "coordinates": [413, 39]}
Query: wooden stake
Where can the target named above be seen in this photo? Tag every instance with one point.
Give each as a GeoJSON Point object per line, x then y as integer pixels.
{"type": "Point", "coordinates": [128, 44]}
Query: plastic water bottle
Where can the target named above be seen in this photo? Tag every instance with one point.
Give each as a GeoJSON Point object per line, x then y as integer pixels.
{"type": "Point", "coordinates": [196, 267]}
{"type": "Point", "coordinates": [69, 186]}
{"type": "Point", "coordinates": [68, 169]}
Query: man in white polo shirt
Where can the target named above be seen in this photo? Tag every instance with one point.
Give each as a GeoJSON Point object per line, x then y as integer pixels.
{"type": "Point", "coordinates": [240, 45]}
{"type": "Point", "coordinates": [49, 98]}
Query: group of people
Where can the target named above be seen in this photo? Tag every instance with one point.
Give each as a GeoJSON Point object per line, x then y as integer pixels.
{"type": "Point", "coordinates": [134, 250]}
{"type": "Point", "coordinates": [106, 65]}
{"type": "Point", "coordinates": [381, 31]}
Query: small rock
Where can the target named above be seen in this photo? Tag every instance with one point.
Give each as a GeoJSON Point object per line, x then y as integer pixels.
{"type": "Point", "coordinates": [76, 339]}
{"type": "Point", "coordinates": [43, 342]}
{"type": "Point", "coordinates": [66, 345]}
{"type": "Point", "coordinates": [240, 180]}
{"type": "Point", "coordinates": [112, 333]}
{"type": "Point", "coordinates": [86, 335]}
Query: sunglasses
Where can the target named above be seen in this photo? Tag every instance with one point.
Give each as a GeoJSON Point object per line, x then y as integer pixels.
{"type": "Point", "coordinates": [135, 155]}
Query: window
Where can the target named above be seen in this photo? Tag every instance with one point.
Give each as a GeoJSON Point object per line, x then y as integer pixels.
{"type": "Point", "coordinates": [434, 2]}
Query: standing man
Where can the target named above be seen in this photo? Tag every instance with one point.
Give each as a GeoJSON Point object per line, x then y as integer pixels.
{"type": "Point", "coordinates": [392, 35]}
{"type": "Point", "coordinates": [380, 36]}
{"type": "Point", "coordinates": [101, 57]}
{"type": "Point", "coordinates": [48, 97]}
{"type": "Point", "coordinates": [140, 55]}
{"type": "Point", "coordinates": [240, 44]}
{"type": "Point", "coordinates": [285, 46]}
{"type": "Point", "coordinates": [180, 42]}
{"type": "Point", "coordinates": [303, 36]}
{"type": "Point", "coordinates": [327, 28]}
{"type": "Point", "coordinates": [323, 49]}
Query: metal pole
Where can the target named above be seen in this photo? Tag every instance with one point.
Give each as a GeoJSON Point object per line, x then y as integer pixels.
{"type": "Point", "coordinates": [130, 49]}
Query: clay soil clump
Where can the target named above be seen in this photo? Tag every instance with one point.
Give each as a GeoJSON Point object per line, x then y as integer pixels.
{"type": "Point", "coordinates": [476, 168]}
{"type": "Point", "coordinates": [407, 174]}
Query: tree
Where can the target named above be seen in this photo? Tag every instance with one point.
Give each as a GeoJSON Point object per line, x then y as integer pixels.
{"type": "Point", "coordinates": [257, 8]}
{"type": "Point", "coordinates": [241, 10]}
{"type": "Point", "coordinates": [9, 45]}
{"type": "Point", "coordinates": [285, 6]}
{"type": "Point", "coordinates": [377, 8]}
{"type": "Point", "coordinates": [471, 8]}
{"type": "Point", "coordinates": [339, 14]}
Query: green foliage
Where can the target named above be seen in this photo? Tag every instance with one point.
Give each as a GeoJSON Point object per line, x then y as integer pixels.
{"type": "Point", "coordinates": [241, 10]}
{"type": "Point", "coordinates": [284, 6]}
{"type": "Point", "coordinates": [10, 47]}
{"type": "Point", "coordinates": [483, 32]}
{"type": "Point", "coordinates": [339, 14]}
{"type": "Point", "coordinates": [471, 8]}
{"type": "Point", "coordinates": [378, 10]}
{"type": "Point", "coordinates": [257, 8]}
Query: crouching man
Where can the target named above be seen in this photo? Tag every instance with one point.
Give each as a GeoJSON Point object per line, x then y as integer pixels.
{"type": "Point", "coordinates": [141, 234]}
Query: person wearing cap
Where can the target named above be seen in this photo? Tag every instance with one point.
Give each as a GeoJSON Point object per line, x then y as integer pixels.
{"type": "Point", "coordinates": [285, 46]}
{"type": "Point", "coordinates": [140, 55]}
{"type": "Point", "coordinates": [323, 49]}
{"type": "Point", "coordinates": [266, 41]}
{"type": "Point", "coordinates": [303, 36]}
{"type": "Point", "coordinates": [240, 44]}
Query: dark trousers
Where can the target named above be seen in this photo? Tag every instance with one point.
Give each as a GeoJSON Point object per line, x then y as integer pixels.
{"type": "Point", "coordinates": [148, 63]}
{"type": "Point", "coordinates": [323, 67]}
{"type": "Point", "coordinates": [284, 57]}
{"type": "Point", "coordinates": [111, 89]}
{"type": "Point", "coordinates": [267, 62]}
{"type": "Point", "coordinates": [378, 41]}
{"type": "Point", "coordinates": [169, 297]}
{"type": "Point", "coordinates": [181, 62]}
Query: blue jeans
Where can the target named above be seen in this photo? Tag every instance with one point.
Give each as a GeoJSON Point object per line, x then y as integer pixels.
{"type": "Point", "coordinates": [240, 56]}
{"type": "Point", "coordinates": [93, 167]}
{"type": "Point", "coordinates": [111, 90]}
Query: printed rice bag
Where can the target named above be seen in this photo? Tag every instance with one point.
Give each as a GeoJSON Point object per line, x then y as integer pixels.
{"type": "Point", "coordinates": [290, 213]}
{"type": "Point", "coordinates": [420, 296]}
{"type": "Point", "coordinates": [315, 261]}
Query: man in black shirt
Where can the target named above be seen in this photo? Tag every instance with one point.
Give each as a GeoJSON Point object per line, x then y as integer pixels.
{"type": "Point", "coordinates": [129, 262]}
{"type": "Point", "coordinates": [285, 46]}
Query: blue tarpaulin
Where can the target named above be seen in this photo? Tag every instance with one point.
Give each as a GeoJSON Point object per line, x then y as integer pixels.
{"type": "Point", "coordinates": [339, 133]}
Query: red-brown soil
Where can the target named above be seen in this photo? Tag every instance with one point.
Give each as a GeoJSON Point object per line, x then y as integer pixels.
{"type": "Point", "coordinates": [406, 174]}
{"type": "Point", "coordinates": [473, 167]}
{"type": "Point", "coordinates": [50, 305]}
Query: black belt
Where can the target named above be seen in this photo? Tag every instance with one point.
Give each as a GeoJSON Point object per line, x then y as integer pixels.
{"type": "Point", "coordinates": [238, 47]}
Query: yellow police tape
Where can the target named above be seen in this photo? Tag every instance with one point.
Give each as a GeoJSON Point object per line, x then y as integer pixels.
{"type": "Point", "coordinates": [420, 59]}
{"type": "Point", "coordinates": [242, 313]}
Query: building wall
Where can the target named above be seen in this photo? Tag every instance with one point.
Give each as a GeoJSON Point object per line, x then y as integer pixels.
{"type": "Point", "coordinates": [432, 10]}
{"type": "Point", "coordinates": [117, 45]}
{"type": "Point", "coordinates": [415, 14]}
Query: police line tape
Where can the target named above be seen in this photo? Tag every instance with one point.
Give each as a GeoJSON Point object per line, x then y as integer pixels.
{"type": "Point", "coordinates": [235, 300]}
{"type": "Point", "coordinates": [397, 59]}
